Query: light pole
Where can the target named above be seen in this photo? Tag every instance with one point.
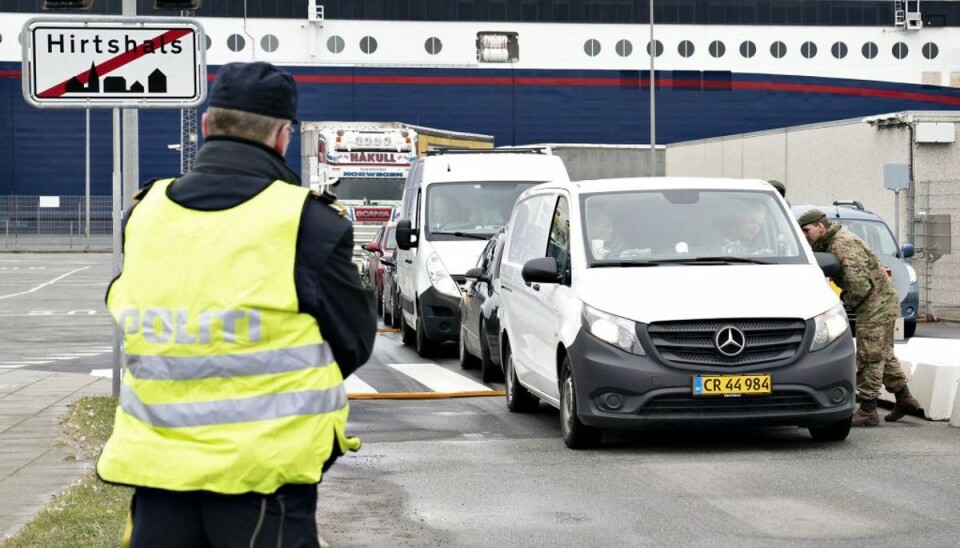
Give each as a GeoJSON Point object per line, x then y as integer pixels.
{"type": "Point", "coordinates": [653, 101]}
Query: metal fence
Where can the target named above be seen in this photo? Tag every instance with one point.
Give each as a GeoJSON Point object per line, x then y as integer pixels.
{"type": "Point", "coordinates": [56, 223]}
{"type": "Point", "coordinates": [936, 223]}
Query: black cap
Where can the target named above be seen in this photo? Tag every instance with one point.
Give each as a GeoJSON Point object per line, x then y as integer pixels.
{"type": "Point", "coordinates": [259, 87]}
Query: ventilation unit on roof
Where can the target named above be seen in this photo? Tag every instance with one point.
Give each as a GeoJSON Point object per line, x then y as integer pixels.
{"type": "Point", "coordinates": [497, 47]}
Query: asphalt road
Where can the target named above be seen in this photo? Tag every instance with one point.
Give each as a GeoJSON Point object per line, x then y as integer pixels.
{"type": "Point", "coordinates": [466, 472]}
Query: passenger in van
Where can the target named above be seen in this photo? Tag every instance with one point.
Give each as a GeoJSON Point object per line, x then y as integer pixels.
{"type": "Point", "coordinates": [742, 230]}
{"type": "Point", "coordinates": [445, 213]}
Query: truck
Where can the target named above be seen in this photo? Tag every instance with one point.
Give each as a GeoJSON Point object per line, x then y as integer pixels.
{"type": "Point", "coordinates": [365, 165]}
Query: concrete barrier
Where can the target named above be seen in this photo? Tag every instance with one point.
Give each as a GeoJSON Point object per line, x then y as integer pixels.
{"type": "Point", "coordinates": [955, 417]}
{"type": "Point", "coordinates": [933, 367]}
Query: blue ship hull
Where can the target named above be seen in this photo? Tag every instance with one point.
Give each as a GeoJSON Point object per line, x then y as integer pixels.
{"type": "Point", "coordinates": [42, 151]}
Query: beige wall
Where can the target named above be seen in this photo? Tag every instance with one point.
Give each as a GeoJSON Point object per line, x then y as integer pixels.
{"type": "Point", "coordinates": [843, 161]}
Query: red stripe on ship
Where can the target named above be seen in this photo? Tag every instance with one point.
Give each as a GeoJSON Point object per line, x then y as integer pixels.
{"type": "Point", "coordinates": [586, 82]}
{"type": "Point", "coordinates": [113, 64]}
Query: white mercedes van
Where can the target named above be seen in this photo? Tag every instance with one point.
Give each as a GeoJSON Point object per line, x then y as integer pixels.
{"type": "Point", "coordinates": [453, 202]}
{"type": "Point", "coordinates": [665, 301]}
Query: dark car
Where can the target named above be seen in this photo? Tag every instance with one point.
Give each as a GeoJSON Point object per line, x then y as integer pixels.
{"type": "Point", "coordinates": [383, 245]}
{"type": "Point", "coordinates": [479, 314]}
{"type": "Point", "coordinates": [390, 294]}
{"type": "Point", "coordinates": [870, 228]}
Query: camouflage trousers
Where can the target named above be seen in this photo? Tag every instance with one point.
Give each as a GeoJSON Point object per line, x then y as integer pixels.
{"type": "Point", "coordinates": [876, 363]}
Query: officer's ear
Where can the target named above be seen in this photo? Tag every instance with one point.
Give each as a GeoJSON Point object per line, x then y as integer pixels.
{"type": "Point", "coordinates": [283, 138]}
{"type": "Point", "coordinates": [203, 125]}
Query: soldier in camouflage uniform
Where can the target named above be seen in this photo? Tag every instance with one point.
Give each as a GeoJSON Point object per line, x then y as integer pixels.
{"type": "Point", "coordinates": [868, 290]}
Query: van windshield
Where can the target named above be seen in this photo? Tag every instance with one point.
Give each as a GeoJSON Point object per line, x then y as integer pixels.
{"type": "Point", "coordinates": [680, 226]}
{"type": "Point", "coordinates": [468, 210]}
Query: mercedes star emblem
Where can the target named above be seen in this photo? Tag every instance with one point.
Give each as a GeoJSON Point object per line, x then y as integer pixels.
{"type": "Point", "coordinates": [730, 341]}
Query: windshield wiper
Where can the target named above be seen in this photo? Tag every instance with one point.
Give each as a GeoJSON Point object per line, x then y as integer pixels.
{"type": "Point", "coordinates": [461, 234]}
{"type": "Point", "coordinates": [622, 264]}
{"type": "Point", "coordinates": [720, 259]}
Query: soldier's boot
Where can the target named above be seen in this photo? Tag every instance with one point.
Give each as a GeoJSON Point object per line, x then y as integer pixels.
{"type": "Point", "coordinates": [867, 414]}
{"type": "Point", "coordinates": [905, 405]}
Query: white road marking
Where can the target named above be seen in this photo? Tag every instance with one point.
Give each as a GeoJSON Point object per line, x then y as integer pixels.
{"type": "Point", "coordinates": [45, 284]}
{"type": "Point", "coordinates": [355, 385]}
{"type": "Point", "coordinates": [105, 373]}
{"type": "Point", "coordinates": [437, 378]}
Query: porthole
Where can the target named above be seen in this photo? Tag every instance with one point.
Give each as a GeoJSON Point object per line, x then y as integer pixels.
{"type": "Point", "coordinates": [748, 49]}
{"type": "Point", "coordinates": [368, 44]}
{"type": "Point", "coordinates": [1, 38]}
{"type": "Point", "coordinates": [778, 49]}
{"type": "Point", "coordinates": [269, 43]}
{"type": "Point", "coordinates": [236, 42]}
{"type": "Point", "coordinates": [839, 50]}
{"type": "Point", "coordinates": [900, 50]}
{"type": "Point", "coordinates": [808, 50]}
{"type": "Point", "coordinates": [717, 49]}
{"type": "Point", "coordinates": [624, 48]}
{"type": "Point", "coordinates": [433, 46]}
{"type": "Point", "coordinates": [657, 46]}
{"type": "Point", "coordinates": [685, 48]}
{"type": "Point", "coordinates": [209, 41]}
{"type": "Point", "coordinates": [869, 50]}
{"type": "Point", "coordinates": [591, 47]}
{"type": "Point", "coordinates": [930, 50]}
{"type": "Point", "coordinates": [335, 44]}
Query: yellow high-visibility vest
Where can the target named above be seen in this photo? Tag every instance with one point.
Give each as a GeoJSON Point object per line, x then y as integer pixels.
{"type": "Point", "coordinates": [226, 387]}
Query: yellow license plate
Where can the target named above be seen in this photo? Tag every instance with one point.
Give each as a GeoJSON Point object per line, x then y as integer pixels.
{"type": "Point", "coordinates": [731, 385]}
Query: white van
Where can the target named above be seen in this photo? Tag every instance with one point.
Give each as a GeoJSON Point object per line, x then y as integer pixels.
{"type": "Point", "coordinates": [452, 204]}
{"type": "Point", "coordinates": [665, 301]}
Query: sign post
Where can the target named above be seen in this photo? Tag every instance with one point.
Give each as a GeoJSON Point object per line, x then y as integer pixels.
{"type": "Point", "coordinates": [119, 63]}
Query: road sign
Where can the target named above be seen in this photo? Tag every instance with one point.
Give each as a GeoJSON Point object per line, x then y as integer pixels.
{"type": "Point", "coordinates": [114, 62]}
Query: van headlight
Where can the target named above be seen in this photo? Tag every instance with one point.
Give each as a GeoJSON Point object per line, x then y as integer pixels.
{"type": "Point", "coordinates": [619, 332]}
{"type": "Point", "coordinates": [829, 326]}
{"type": "Point", "coordinates": [440, 278]}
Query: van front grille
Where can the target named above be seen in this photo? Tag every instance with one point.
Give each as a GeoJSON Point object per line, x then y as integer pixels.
{"type": "Point", "coordinates": [680, 404]}
{"type": "Point", "coordinates": [694, 342]}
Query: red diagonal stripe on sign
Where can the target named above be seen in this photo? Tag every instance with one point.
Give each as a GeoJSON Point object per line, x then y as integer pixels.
{"type": "Point", "coordinates": [113, 64]}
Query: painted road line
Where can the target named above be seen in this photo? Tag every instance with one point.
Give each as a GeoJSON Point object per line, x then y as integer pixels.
{"type": "Point", "coordinates": [106, 373]}
{"type": "Point", "coordinates": [355, 385]}
{"type": "Point", "coordinates": [437, 378]}
{"type": "Point", "coordinates": [44, 284]}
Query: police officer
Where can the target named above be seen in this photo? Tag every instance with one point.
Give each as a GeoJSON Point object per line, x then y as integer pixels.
{"type": "Point", "coordinates": [868, 290]}
{"type": "Point", "coordinates": [241, 313]}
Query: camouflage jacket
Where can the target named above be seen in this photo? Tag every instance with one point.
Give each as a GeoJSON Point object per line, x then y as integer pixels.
{"type": "Point", "coordinates": [867, 288]}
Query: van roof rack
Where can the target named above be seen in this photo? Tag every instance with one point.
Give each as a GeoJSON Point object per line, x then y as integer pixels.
{"type": "Point", "coordinates": [439, 150]}
{"type": "Point", "coordinates": [849, 203]}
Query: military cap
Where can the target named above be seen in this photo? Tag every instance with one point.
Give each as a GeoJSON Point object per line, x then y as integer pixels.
{"type": "Point", "coordinates": [779, 186]}
{"type": "Point", "coordinates": [258, 87]}
{"type": "Point", "coordinates": [811, 216]}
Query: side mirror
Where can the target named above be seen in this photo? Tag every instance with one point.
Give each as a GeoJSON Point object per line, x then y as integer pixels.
{"type": "Point", "coordinates": [406, 235]}
{"type": "Point", "coordinates": [373, 247]}
{"type": "Point", "coordinates": [475, 273]}
{"type": "Point", "coordinates": [907, 251]}
{"type": "Point", "coordinates": [389, 261]}
{"type": "Point", "coordinates": [829, 264]}
{"type": "Point", "coordinates": [541, 270]}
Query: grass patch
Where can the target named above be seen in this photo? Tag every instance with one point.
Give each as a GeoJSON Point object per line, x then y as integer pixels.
{"type": "Point", "coordinates": [89, 513]}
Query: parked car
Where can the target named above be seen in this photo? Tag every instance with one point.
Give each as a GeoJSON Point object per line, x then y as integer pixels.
{"type": "Point", "coordinates": [480, 314]}
{"type": "Point", "coordinates": [870, 228]}
{"type": "Point", "coordinates": [626, 303]}
{"type": "Point", "coordinates": [390, 296]}
{"type": "Point", "coordinates": [453, 202]}
{"type": "Point", "coordinates": [384, 244]}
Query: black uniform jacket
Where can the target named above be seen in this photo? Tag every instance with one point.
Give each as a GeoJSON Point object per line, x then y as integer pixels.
{"type": "Point", "coordinates": [229, 171]}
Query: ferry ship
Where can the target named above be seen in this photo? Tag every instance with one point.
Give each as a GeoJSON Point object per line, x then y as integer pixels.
{"type": "Point", "coordinates": [525, 71]}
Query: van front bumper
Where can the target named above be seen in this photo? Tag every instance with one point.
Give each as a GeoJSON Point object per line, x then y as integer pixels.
{"type": "Point", "coordinates": [616, 389]}
{"type": "Point", "coordinates": [440, 314]}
